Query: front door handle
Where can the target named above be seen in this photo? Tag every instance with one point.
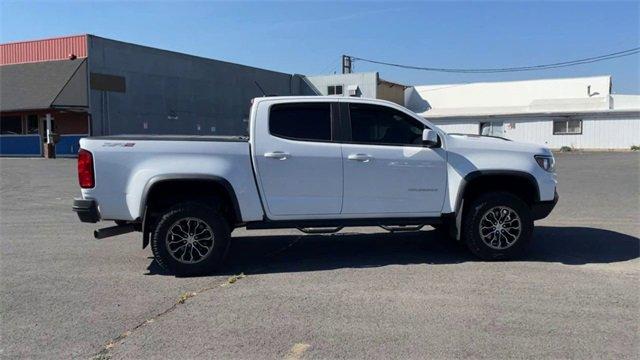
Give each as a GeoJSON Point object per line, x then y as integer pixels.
{"type": "Point", "coordinates": [360, 157]}
{"type": "Point", "coordinates": [279, 155]}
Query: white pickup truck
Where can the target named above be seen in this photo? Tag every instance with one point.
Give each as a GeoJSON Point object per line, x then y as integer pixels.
{"type": "Point", "coordinates": [316, 164]}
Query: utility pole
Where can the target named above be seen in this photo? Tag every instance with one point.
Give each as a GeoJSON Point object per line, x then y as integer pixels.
{"type": "Point", "coordinates": [346, 64]}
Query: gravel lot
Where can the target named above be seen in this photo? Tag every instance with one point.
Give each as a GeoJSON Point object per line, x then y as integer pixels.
{"type": "Point", "coordinates": [361, 293]}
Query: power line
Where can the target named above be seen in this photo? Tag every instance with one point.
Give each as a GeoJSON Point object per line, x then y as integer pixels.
{"type": "Point", "coordinates": [512, 69]}
{"type": "Point", "coordinates": [588, 60]}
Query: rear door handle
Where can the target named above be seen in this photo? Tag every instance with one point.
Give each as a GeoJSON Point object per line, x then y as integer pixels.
{"type": "Point", "coordinates": [360, 157]}
{"type": "Point", "coordinates": [279, 155]}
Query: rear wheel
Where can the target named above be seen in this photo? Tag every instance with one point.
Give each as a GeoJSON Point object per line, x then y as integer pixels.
{"type": "Point", "coordinates": [190, 239]}
{"type": "Point", "coordinates": [497, 226]}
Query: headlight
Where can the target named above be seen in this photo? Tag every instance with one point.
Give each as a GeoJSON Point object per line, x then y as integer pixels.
{"type": "Point", "coordinates": [546, 162]}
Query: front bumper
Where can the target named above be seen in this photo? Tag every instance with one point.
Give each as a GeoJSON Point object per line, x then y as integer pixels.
{"type": "Point", "coordinates": [87, 210]}
{"type": "Point", "coordinates": [542, 209]}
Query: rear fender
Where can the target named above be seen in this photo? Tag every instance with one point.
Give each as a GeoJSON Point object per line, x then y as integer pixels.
{"type": "Point", "coordinates": [187, 177]}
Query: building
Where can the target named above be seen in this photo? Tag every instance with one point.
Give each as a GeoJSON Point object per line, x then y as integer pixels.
{"type": "Point", "coordinates": [65, 88]}
{"type": "Point", "coordinates": [35, 96]}
{"type": "Point", "coordinates": [88, 85]}
{"type": "Point", "coordinates": [368, 85]}
{"type": "Point", "coordinates": [579, 113]}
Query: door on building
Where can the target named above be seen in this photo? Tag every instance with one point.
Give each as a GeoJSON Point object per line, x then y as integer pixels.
{"type": "Point", "coordinates": [32, 124]}
{"type": "Point", "coordinates": [492, 128]}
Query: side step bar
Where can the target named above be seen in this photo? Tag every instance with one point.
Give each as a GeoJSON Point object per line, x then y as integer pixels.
{"type": "Point", "coordinates": [319, 230]}
{"type": "Point", "coordinates": [400, 228]}
{"type": "Point", "coordinates": [334, 223]}
{"type": "Point", "coordinates": [113, 231]}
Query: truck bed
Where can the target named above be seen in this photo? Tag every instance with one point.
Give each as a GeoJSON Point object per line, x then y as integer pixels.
{"type": "Point", "coordinates": [216, 138]}
{"type": "Point", "coordinates": [126, 165]}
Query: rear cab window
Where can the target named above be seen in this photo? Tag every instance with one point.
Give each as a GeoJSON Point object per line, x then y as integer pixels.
{"type": "Point", "coordinates": [301, 121]}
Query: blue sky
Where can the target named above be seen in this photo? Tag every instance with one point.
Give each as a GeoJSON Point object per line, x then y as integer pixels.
{"type": "Point", "coordinates": [309, 37]}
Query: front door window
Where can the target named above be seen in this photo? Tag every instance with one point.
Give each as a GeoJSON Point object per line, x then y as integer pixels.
{"type": "Point", "coordinates": [378, 125]}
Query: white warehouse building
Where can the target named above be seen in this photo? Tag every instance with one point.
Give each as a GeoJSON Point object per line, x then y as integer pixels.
{"type": "Point", "coordinates": [580, 113]}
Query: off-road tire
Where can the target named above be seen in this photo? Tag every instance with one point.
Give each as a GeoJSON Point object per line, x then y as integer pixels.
{"type": "Point", "coordinates": [471, 225]}
{"type": "Point", "coordinates": [212, 261]}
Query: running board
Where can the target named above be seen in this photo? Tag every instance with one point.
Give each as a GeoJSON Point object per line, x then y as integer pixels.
{"type": "Point", "coordinates": [400, 228]}
{"type": "Point", "coordinates": [311, 230]}
{"type": "Point", "coordinates": [334, 223]}
{"type": "Point", "coordinates": [113, 231]}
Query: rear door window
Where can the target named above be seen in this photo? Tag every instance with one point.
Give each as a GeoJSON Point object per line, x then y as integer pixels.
{"type": "Point", "coordinates": [301, 121]}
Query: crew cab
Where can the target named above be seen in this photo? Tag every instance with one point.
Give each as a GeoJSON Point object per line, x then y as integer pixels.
{"type": "Point", "coordinates": [317, 164]}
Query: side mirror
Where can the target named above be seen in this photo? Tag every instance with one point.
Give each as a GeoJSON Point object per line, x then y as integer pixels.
{"type": "Point", "coordinates": [429, 137]}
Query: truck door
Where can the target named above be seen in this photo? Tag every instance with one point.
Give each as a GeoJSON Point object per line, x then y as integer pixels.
{"type": "Point", "coordinates": [387, 169]}
{"type": "Point", "coordinates": [299, 168]}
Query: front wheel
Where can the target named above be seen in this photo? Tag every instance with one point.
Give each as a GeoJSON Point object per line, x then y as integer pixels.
{"type": "Point", "coordinates": [190, 239]}
{"type": "Point", "coordinates": [497, 226]}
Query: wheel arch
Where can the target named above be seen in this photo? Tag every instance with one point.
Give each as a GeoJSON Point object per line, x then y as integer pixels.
{"type": "Point", "coordinates": [219, 182]}
{"type": "Point", "coordinates": [188, 185]}
{"type": "Point", "coordinates": [520, 183]}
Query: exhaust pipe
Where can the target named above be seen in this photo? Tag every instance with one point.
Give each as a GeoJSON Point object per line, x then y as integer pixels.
{"type": "Point", "coordinates": [113, 231]}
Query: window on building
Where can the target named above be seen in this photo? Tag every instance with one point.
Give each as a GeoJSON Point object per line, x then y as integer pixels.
{"type": "Point", "coordinates": [11, 125]}
{"type": "Point", "coordinates": [493, 128]}
{"type": "Point", "coordinates": [373, 124]}
{"type": "Point", "coordinates": [334, 90]}
{"type": "Point", "coordinates": [32, 124]}
{"type": "Point", "coordinates": [301, 121]}
{"type": "Point", "coordinates": [567, 127]}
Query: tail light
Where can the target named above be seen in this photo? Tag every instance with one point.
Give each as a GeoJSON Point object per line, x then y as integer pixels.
{"type": "Point", "coordinates": [85, 169]}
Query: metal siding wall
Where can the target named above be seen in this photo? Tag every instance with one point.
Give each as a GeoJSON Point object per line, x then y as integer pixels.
{"type": "Point", "coordinates": [457, 126]}
{"type": "Point", "coordinates": [597, 133]}
{"type": "Point", "coordinates": [614, 133]}
{"type": "Point", "coordinates": [367, 82]}
{"type": "Point", "coordinates": [207, 96]}
{"type": "Point", "coordinates": [68, 145]}
{"type": "Point", "coordinates": [20, 145]}
{"type": "Point", "coordinates": [43, 50]}
{"type": "Point", "coordinates": [393, 93]}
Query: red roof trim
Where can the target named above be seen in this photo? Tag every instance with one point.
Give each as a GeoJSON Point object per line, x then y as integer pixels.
{"type": "Point", "coordinates": [43, 50]}
{"type": "Point", "coordinates": [43, 39]}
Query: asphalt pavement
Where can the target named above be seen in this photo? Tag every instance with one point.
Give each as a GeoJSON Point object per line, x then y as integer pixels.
{"type": "Point", "coordinates": [361, 293]}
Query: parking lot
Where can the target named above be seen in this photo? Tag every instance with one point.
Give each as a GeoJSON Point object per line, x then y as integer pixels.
{"type": "Point", "coordinates": [361, 293]}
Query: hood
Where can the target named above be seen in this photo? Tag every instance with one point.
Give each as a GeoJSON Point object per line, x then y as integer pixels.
{"type": "Point", "coordinates": [493, 143]}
